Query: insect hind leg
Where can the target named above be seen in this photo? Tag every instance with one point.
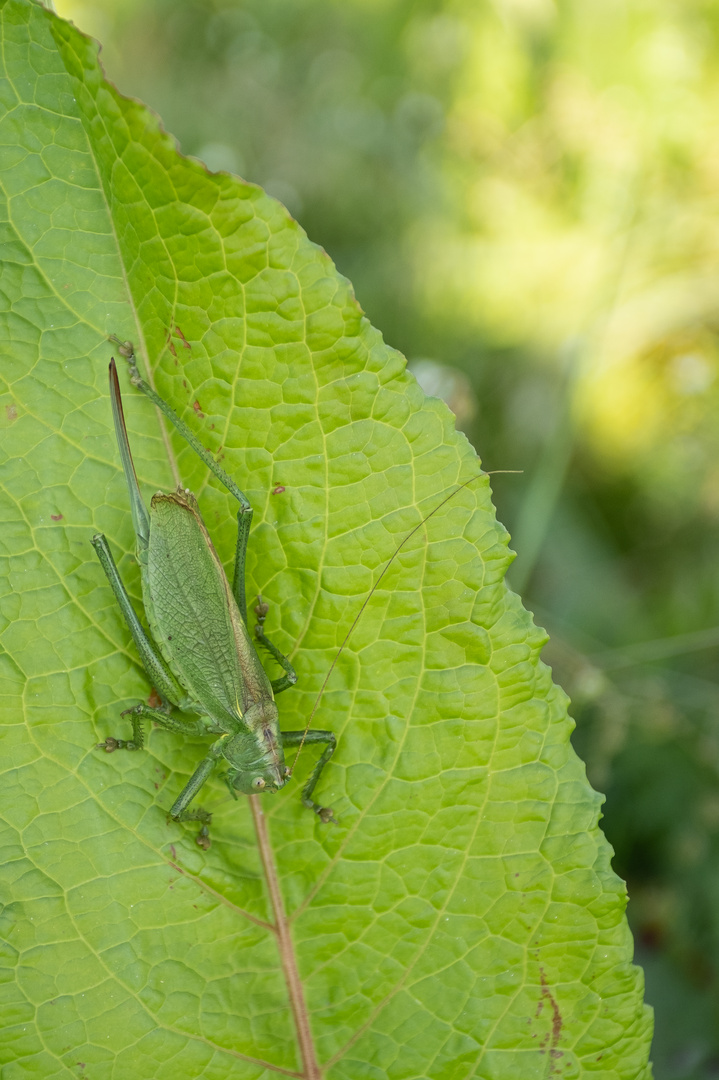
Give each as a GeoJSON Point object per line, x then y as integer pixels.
{"type": "Point", "coordinates": [157, 670]}
{"type": "Point", "coordinates": [244, 514]}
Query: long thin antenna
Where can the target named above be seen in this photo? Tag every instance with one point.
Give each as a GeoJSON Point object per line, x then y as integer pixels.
{"type": "Point", "coordinates": [374, 588]}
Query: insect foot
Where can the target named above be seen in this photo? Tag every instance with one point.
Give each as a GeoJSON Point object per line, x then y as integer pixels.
{"type": "Point", "coordinates": [110, 745]}
{"type": "Point", "coordinates": [126, 349]}
{"type": "Point", "coordinates": [203, 837]}
{"type": "Point", "coordinates": [136, 742]}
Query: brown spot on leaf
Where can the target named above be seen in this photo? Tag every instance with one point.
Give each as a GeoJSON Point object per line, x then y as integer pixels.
{"type": "Point", "coordinates": [154, 700]}
{"type": "Point", "coordinates": [182, 337]}
{"type": "Point", "coordinates": [278, 489]}
{"type": "Point", "coordinates": [11, 412]}
{"type": "Point", "coordinates": [56, 517]}
{"type": "Point", "coordinates": [556, 1021]}
{"type": "Point", "coordinates": [198, 409]}
{"type": "Point", "coordinates": [170, 345]}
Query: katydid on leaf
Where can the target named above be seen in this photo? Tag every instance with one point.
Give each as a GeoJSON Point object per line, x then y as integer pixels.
{"type": "Point", "coordinates": [199, 654]}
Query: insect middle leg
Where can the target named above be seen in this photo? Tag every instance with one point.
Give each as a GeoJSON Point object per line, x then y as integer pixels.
{"type": "Point", "coordinates": [290, 675]}
{"type": "Point", "coordinates": [138, 713]}
{"type": "Point", "coordinates": [179, 811]}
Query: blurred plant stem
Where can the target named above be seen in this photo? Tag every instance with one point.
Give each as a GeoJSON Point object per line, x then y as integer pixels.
{"type": "Point", "coordinates": [538, 506]}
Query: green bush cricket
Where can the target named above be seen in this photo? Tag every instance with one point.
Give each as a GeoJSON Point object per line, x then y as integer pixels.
{"type": "Point", "coordinates": [199, 655]}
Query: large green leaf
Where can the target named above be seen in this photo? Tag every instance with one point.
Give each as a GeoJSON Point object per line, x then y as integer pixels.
{"type": "Point", "coordinates": [462, 919]}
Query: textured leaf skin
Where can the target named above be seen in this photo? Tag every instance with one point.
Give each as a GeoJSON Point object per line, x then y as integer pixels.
{"type": "Point", "coordinates": [465, 903]}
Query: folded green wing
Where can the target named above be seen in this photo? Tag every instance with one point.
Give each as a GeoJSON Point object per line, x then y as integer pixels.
{"type": "Point", "coordinates": [193, 613]}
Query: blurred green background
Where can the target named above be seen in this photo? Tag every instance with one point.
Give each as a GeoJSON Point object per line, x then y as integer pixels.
{"type": "Point", "coordinates": [525, 194]}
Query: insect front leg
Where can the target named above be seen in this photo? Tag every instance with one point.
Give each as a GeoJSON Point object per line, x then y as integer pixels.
{"type": "Point", "coordinates": [179, 811]}
{"type": "Point", "coordinates": [297, 738]}
{"type": "Point", "coordinates": [290, 676]}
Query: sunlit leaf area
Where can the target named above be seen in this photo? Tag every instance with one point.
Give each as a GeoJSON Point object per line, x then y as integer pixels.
{"type": "Point", "coordinates": [525, 195]}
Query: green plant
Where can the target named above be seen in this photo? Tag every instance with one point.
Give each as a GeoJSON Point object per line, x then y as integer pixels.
{"type": "Point", "coordinates": [462, 920]}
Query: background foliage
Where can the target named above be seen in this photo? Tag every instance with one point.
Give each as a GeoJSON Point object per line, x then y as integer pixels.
{"type": "Point", "coordinates": [527, 191]}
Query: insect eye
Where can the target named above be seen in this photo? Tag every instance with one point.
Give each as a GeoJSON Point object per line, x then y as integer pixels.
{"type": "Point", "coordinates": [258, 783]}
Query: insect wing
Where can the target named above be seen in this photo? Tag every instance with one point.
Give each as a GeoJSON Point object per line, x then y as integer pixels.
{"type": "Point", "coordinates": [195, 615]}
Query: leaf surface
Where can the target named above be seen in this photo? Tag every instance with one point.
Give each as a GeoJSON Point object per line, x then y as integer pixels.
{"type": "Point", "coordinates": [462, 919]}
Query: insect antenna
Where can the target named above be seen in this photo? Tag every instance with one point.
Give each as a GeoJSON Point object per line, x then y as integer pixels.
{"type": "Point", "coordinates": [374, 588]}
